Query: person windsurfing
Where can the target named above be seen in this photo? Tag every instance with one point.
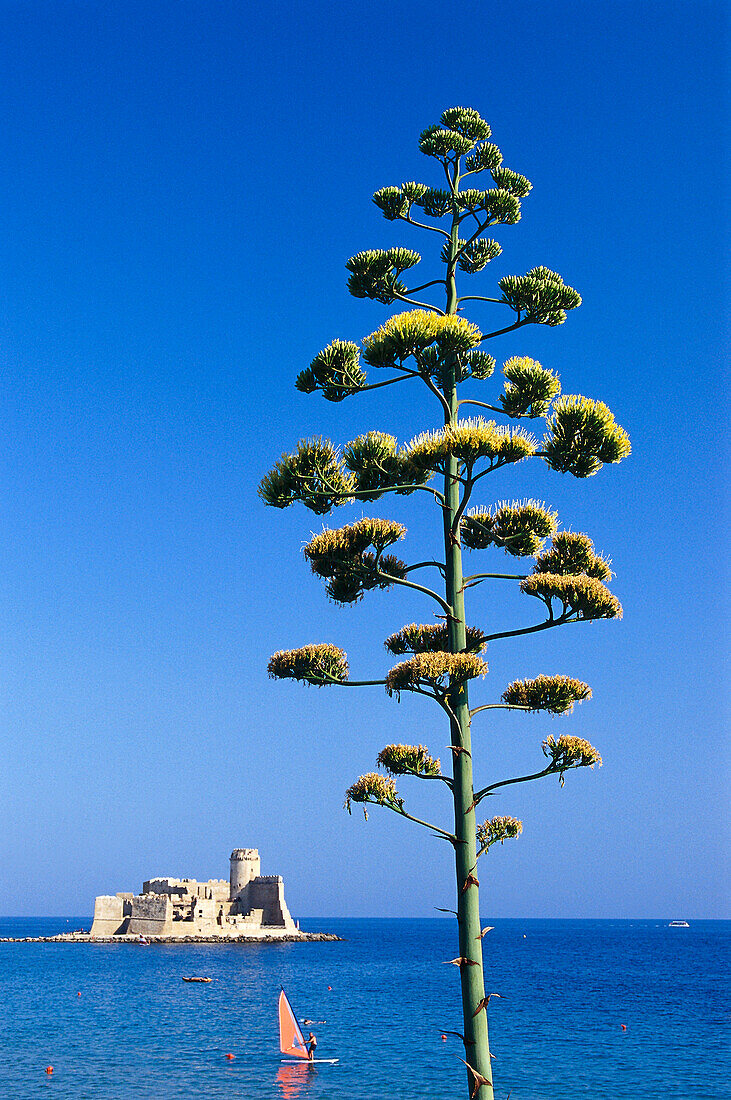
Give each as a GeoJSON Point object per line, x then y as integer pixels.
{"type": "Point", "coordinates": [311, 1045]}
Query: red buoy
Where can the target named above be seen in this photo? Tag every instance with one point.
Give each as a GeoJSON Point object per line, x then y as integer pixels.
{"type": "Point", "coordinates": [49, 1070]}
{"type": "Point", "coordinates": [78, 994]}
{"type": "Point", "coordinates": [444, 1038]}
{"type": "Point", "coordinates": [624, 1027]}
{"type": "Point", "coordinates": [230, 1057]}
{"type": "Point", "coordinates": [330, 987]}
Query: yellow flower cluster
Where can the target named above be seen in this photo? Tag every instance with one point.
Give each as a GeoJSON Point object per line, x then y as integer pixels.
{"type": "Point", "coordinates": [556, 694]}
{"type": "Point", "coordinates": [469, 440]}
{"type": "Point", "coordinates": [519, 526]}
{"type": "Point", "coordinates": [373, 788]}
{"type": "Point", "coordinates": [572, 553]}
{"type": "Point", "coordinates": [498, 830]}
{"type": "Point", "coordinates": [408, 760]}
{"type": "Point", "coordinates": [436, 670]}
{"type": "Point", "coordinates": [407, 334]}
{"type": "Point", "coordinates": [342, 557]}
{"type": "Point", "coordinates": [585, 597]}
{"type": "Point", "coordinates": [346, 542]}
{"type": "Point", "coordinates": [570, 752]}
{"type": "Point", "coordinates": [431, 638]}
{"type": "Point", "coordinates": [317, 664]}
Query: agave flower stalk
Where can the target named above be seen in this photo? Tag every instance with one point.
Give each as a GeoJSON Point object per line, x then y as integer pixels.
{"type": "Point", "coordinates": [433, 344]}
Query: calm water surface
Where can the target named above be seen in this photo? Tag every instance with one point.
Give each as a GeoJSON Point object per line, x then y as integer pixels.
{"type": "Point", "coordinates": [566, 988]}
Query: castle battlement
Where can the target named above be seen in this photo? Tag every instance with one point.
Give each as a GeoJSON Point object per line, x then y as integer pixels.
{"type": "Point", "coordinates": [247, 903]}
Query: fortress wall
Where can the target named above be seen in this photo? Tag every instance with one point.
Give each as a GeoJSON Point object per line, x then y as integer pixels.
{"type": "Point", "coordinates": [109, 916]}
{"type": "Point", "coordinates": [267, 893]}
{"type": "Point", "coordinates": [152, 915]}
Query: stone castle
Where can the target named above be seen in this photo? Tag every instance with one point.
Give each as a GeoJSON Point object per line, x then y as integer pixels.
{"type": "Point", "coordinates": [249, 905]}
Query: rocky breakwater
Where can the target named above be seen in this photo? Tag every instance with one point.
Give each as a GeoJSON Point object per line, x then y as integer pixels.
{"type": "Point", "coordinates": [85, 937]}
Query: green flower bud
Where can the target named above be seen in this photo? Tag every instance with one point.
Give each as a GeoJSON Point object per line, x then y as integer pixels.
{"type": "Point", "coordinates": [476, 256]}
{"type": "Point", "coordinates": [541, 295]}
{"type": "Point", "coordinates": [465, 120]}
{"type": "Point", "coordinates": [485, 156]}
{"type": "Point", "coordinates": [512, 181]}
{"type": "Point", "coordinates": [529, 388]}
{"type": "Point", "coordinates": [392, 202]}
{"type": "Point", "coordinates": [335, 371]}
{"type": "Point", "coordinates": [313, 475]}
{"type": "Point", "coordinates": [437, 142]}
{"type": "Point", "coordinates": [518, 526]}
{"type": "Point", "coordinates": [436, 202]}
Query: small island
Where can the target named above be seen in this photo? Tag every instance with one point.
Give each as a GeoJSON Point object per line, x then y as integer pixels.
{"type": "Point", "coordinates": [248, 906]}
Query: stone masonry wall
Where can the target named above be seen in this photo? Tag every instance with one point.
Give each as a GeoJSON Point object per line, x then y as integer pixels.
{"type": "Point", "coordinates": [267, 893]}
{"type": "Point", "coordinates": [109, 916]}
{"type": "Point", "coordinates": [152, 915]}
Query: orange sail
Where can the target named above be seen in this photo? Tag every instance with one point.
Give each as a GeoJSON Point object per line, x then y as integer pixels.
{"type": "Point", "coordinates": [291, 1039]}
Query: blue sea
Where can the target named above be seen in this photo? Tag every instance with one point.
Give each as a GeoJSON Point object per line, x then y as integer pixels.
{"type": "Point", "coordinates": [117, 1021]}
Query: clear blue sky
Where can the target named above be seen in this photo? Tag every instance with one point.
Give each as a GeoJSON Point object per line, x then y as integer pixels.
{"type": "Point", "coordinates": [181, 184]}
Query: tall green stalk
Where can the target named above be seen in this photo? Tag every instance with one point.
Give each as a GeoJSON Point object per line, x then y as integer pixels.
{"type": "Point", "coordinates": [476, 1040]}
{"type": "Point", "coordinates": [441, 349]}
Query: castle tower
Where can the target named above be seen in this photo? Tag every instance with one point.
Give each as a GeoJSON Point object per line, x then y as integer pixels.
{"type": "Point", "coordinates": [245, 866]}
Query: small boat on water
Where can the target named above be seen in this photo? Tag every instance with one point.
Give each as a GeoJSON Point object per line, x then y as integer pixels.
{"type": "Point", "coordinates": [678, 924]}
{"type": "Point", "coordinates": [197, 979]}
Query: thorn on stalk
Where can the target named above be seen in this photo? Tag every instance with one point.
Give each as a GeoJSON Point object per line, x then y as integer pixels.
{"type": "Point", "coordinates": [461, 961]}
{"type": "Point", "coordinates": [477, 1077]}
{"type": "Point", "coordinates": [471, 880]}
{"type": "Point", "coordinates": [466, 1042]}
{"type": "Point", "coordinates": [484, 1003]}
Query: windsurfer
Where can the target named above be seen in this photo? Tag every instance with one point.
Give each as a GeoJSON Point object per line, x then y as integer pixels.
{"type": "Point", "coordinates": [311, 1045]}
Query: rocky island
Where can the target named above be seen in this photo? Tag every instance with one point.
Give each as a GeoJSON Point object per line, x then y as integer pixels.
{"type": "Point", "coordinates": [248, 906]}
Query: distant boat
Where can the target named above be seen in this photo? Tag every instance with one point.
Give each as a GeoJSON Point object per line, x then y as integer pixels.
{"type": "Point", "coordinates": [291, 1039]}
{"type": "Point", "coordinates": [678, 924]}
{"type": "Point", "coordinates": [197, 979]}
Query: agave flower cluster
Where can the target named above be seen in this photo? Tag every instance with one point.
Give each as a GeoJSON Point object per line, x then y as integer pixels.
{"type": "Point", "coordinates": [431, 638]}
{"type": "Point", "coordinates": [434, 672]}
{"type": "Point", "coordinates": [529, 388]}
{"type": "Point", "coordinates": [317, 664]}
{"type": "Point", "coordinates": [582, 435]}
{"type": "Point", "coordinates": [581, 597]}
{"type": "Point", "coordinates": [519, 527]}
{"type": "Point", "coordinates": [351, 558]}
{"type": "Point", "coordinates": [555, 694]}
{"type": "Point", "coordinates": [408, 335]}
{"type": "Point", "coordinates": [335, 371]}
{"type": "Point", "coordinates": [497, 831]}
{"type": "Point", "coordinates": [566, 752]}
{"type": "Point", "coordinates": [571, 554]}
{"type": "Point", "coordinates": [373, 787]}
{"type": "Point", "coordinates": [468, 441]}
{"type": "Point", "coordinates": [409, 760]}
